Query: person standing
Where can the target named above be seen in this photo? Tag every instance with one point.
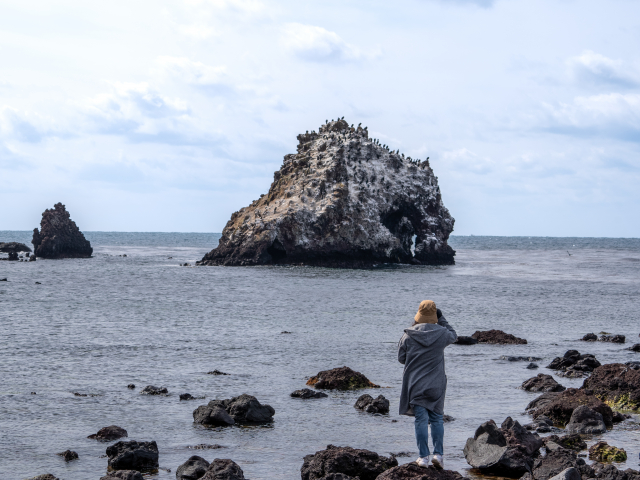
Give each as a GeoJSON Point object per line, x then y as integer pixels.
{"type": "Point", "coordinates": [424, 382]}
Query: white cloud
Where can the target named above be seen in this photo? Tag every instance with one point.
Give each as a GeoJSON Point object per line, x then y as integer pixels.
{"type": "Point", "coordinates": [28, 127]}
{"type": "Point", "coordinates": [199, 32]}
{"type": "Point", "coordinates": [194, 73]}
{"type": "Point", "coordinates": [317, 44]}
{"type": "Point", "coordinates": [593, 68]}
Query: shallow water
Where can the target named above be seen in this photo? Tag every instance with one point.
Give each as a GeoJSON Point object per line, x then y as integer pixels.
{"type": "Point", "coordinates": [95, 325]}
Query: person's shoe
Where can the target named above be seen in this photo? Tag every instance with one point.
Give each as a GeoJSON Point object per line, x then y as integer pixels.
{"type": "Point", "coordinates": [423, 461]}
{"type": "Point", "coordinates": [437, 461]}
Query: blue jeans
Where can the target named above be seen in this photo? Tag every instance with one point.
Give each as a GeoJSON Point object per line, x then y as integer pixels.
{"type": "Point", "coordinates": [423, 418]}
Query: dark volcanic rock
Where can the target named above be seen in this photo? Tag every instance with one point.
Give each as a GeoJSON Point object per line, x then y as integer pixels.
{"type": "Point", "coordinates": [187, 396]}
{"type": "Point", "coordinates": [635, 348]}
{"type": "Point", "coordinates": [606, 471]}
{"type": "Point", "coordinates": [372, 405]}
{"type": "Point", "coordinates": [498, 337]}
{"type": "Point", "coordinates": [13, 247]}
{"type": "Point", "coordinates": [342, 378]}
{"type": "Point", "coordinates": [59, 236]}
{"type": "Point", "coordinates": [46, 476]}
{"type": "Point", "coordinates": [573, 364]}
{"type": "Point", "coordinates": [568, 474]}
{"type": "Point", "coordinates": [560, 406]}
{"type": "Point", "coordinates": [590, 337]}
{"type": "Point", "coordinates": [612, 338]}
{"type": "Point", "coordinates": [603, 452]}
{"type": "Point", "coordinates": [412, 471]}
{"type": "Point", "coordinates": [542, 383]}
{"type": "Point", "coordinates": [617, 384]}
{"type": "Point", "coordinates": [572, 441]}
{"type": "Point", "coordinates": [542, 424]}
{"type": "Point", "coordinates": [462, 340]}
{"type": "Point", "coordinates": [554, 462]}
{"type": "Point", "coordinates": [244, 409]}
{"type": "Point", "coordinates": [133, 455]}
{"type": "Point", "coordinates": [216, 372]}
{"type": "Point", "coordinates": [112, 432]}
{"type": "Point", "coordinates": [511, 358]}
{"type": "Point", "coordinates": [508, 451]}
{"type": "Point", "coordinates": [123, 475]}
{"type": "Point", "coordinates": [532, 366]}
{"type": "Point", "coordinates": [192, 469]}
{"type": "Point", "coordinates": [354, 462]}
{"type": "Point", "coordinates": [587, 421]}
{"type": "Point", "coordinates": [224, 469]}
{"type": "Point", "coordinates": [151, 390]}
{"type": "Point", "coordinates": [68, 455]}
{"type": "Point", "coordinates": [341, 201]}
{"type": "Point", "coordinates": [215, 416]}
{"type": "Point", "coordinates": [308, 393]}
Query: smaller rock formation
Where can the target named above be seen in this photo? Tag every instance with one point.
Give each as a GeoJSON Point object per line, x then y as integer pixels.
{"type": "Point", "coordinates": [364, 464]}
{"type": "Point", "coordinates": [151, 390]}
{"type": "Point", "coordinates": [411, 471]}
{"type": "Point", "coordinates": [46, 476]}
{"type": "Point", "coordinates": [571, 442]}
{"type": "Point", "coordinates": [568, 474]}
{"type": "Point", "coordinates": [587, 421]}
{"type": "Point", "coordinates": [532, 366]}
{"type": "Point", "coordinates": [308, 393]}
{"type": "Point", "coordinates": [498, 337]}
{"type": "Point", "coordinates": [606, 471]}
{"type": "Point", "coordinates": [542, 424]}
{"type": "Point", "coordinates": [131, 386]}
{"type": "Point", "coordinates": [123, 475]}
{"type": "Point", "coordinates": [635, 348]}
{"type": "Point", "coordinates": [216, 372]}
{"type": "Point", "coordinates": [112, 432]}
{"type": "Point", "coordinates": [372, 405]}
{"type": "Point", "coordinates": [132, 455]}
{"type": "Point", "coordinates": [245, 409]}
{"type": "Point", "coordinates": [556, 461]}
{"type": "Point", "coordinates": [13, 247]}
{"type": "Point", "coordinates": [574, 365]}
{"type": "Point", "coordinates": [512, 358]}
{"type": "Point", "coordinates": [462, 340]}
{"type": "Point", "coordinates": [342, 378]}
{"type": "Point", "coordinates": [192, 469]}
{"type": "Point", "coordinates": [617, 384]}
{"type": "Point", "coordinates": [507, 451]}
{"type": "Point", "coordinates": [620, 417]}
{"type": "Point", "coordinates": [560, 406]}
{"type": "Point", "coordinates": [212, 416]}
{"type": "Point", "coordinates": [542, 383]}
{"type": "Point", "coordinates": [603, 452]}
{"type": "Point", "coordinates": [59, 236]}
{"type": "Point", "coordinates": [223, 469]}
{"type": "Point", "coordinates": [187, 396]}
{"type": "Point", "coordinates": [612, 338]}
{"type": "Point", "coordinates": [590, 337]}
{"type": "Point", "coordinates": [68, 455]}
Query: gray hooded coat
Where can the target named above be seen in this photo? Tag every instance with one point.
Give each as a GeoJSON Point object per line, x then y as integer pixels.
{"type": "Point", "coordinates": [421, 350]}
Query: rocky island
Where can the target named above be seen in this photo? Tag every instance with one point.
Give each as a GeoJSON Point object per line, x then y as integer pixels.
{"type": "Point", "coordinates": [59, 236]}
{"type": "Point", "coordinates": [343, 200]}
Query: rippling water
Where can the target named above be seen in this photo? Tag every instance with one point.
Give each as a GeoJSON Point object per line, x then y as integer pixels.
{"type": "Point", "coordinates": [95, 325]}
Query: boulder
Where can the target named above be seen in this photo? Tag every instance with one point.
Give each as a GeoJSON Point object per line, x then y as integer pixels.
{"type": "Point", "coordinates": [620, 417]}
{"type": "Point", "coordinates": [532, 366]}
{"type": "Point", "coordinates": [372, 405]}
{"type": "Point", "coordinates": [151, 390]}
{"type": "Point", "coordinates": [308, 393]}
{"type": "Point", "coordinates": [553, 463]}
{"type": "Point", "coordinates": [192, 469]}
{"type": "Point", "coordinates": [560, 406]}
{"type": "Point", "coordinates": [498, 337]}
{"type": "Point", "coordinates": [215, 416]}
{"type": "Point", "coordinates": [68, 455]}
{"type": "Point", "coordinates": [568, 474]}
{"type": "Point", "coordinates": [635, 348]}
{"type": "Point", "coordinates": [13, 247]}
{"type": "Point", "coordinates": [411, 471]}
{"type": "Point", "coordinates": [341, 201]}
{"type": "Point", "coordinates": [245, 409]}
{"type": "Point", "coordinates": [59, 236]}
{"type": "Point", "coordinates": [123, 475]}
{"type": "Point", "coordinates": [354, 462]}
{"type": "Point", "coordinates": [132, 455]}
{"type": "Point", "coordinates": [342, 378]}
{"type": "Point", "coordinates": [542, 383]}
{"type": "Point", "coordinates": [462, 340]}
{"type": "Point", "coordinates": [223, 469]}
{"type": "Point", "coordinates": [507, 451]}
{"type": "Point", "coordinates": [590, 337]}
{"type": "Point", "coordinates": [617, 384]}
{"type": "Point", "coordinates": [112, 432]}
{"type": "Point", "coordinates": [603, 452]}
{"type": "Point", "coordinates": [574, 365]}
{"type": "Point", "coordinates": [571, 442]}
{"type": "Point", "coordinates": [187, 396]}
{"type": "Point", "coordinates": [586, 421]}
{"type": "Point", "coordinates": [612, 338]}
{"type": "Point", "coordinates": [606, 471]}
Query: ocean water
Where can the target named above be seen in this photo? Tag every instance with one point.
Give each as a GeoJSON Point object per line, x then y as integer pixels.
{"type": "Point", "coordinates": [93, 326]}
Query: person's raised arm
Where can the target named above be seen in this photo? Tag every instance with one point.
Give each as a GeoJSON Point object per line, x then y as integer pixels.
{"type": "Point", "coordinates": [453, 336]}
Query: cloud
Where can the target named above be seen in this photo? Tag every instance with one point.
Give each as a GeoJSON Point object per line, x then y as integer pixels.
{"type": "Point", "coordinates": [478, 3]}
{"type": "Point", "coordinates": [28, 127]}
{"type": "Point", "coordinates": [212, 79]}
{"type": "Point", "coordinates": [596, 69]}
{"type": "Point", "coordinates": [317, 44]}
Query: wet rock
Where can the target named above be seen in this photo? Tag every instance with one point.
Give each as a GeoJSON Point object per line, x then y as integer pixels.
{"type": "Point", "coordinates": [46, 476]}
{"type": "Point", "coordinates": [560, 406]}
{"type": "Point", "coordinates": [542, 383]}
{"type": "Point", "coordinates": [510, 358]}
{"type": "Point", "coordinates": [13, 257]}
{"type": "Point", "coordinates": [215, 416]}
{"type": "Point", "coordinates": [32, 258]}
{"type": "Point", "coordinates": [617, 384]}
{"type": "Point", "coordinates": [59, 236]}
{"type": "Point", "coordinates": [123, 475]}
{"type": "Point", "coordinates": [372, 405]}
{"type": "Point", "coordinates": [612, 338]}
{"type": "Point", "coordinates": [216, 372]}
{"type": "Point", "coordinates": [151, 390]}
{"type": "Point", "coordinates": [462, 340]}
{"type": "Point", "coordinates": [532, 366]}
{"type": "Point", "coordinates": [132, 455]}
{"type": "Point", "coordinates": [308, 393]}
{"type": "Point", "coordinates": [586, 421]}
{"type": "Point", "coordinates": [131, 386]}
{"type": "Point", "coordinates": [447, 418]}
{"type": "Point", "coordinates": [68, 455]}
{"type": "Point", "coordinates": [342, 378]}
{"type": "Point", "coordinates": [508, 451]}
{"type": "Point", "coordinates": [542, 424]}
{"type": "Point", "coordinates": [574, 365]}
{"type": "Point", "coordinates": [603, 452]}
{"type": "Point", "coordinates": [339, 476]}
{"type": "Point", "coordinates": [635, 348]}
{"type": "Point", "coordinates": [620, 417]}
{"type": "Point", "coordinates": [606, 471]}
{"type": "Point", "coordinates": [13, 247]}
{"type": "Point", "coordinates": [245, 409]}
{"type": "Point", "coordinates": [402, 454]}
{"type": "Point", "coordinates": [223, 469]}
{"type": "Point", "coordinates": [590, 337]}
{"type": "Point", "coordinates": [571, 442]}
{"type": "Point", "coordinates": [498, 337]}
{"type": "Point", "coordinates": [112, 432]}
{"type": "Point", "coordinates": [204, 446]}
{"type": "Point", "coordinates": [187, 396]}
{"type": "Point", "coordinates": [631, 365]}
{"type": "Point", "coordinates": [412, 471]}
{"type": "Point", "coordinates": [553, 463]}
{"type": "Point", "coordinates": [341, 201]}
{"type": "Point", "coordinates": [568, 474]}
{"type": "Point", "coordinates": [3, 279]}
{"type": "Point", "coordinates": [192, 469]}
{"type": "Point", "coordinates": [354, 462]}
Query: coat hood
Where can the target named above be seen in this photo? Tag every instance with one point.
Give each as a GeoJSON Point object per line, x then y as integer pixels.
{"type": "Point", "coordinates": [426, 333]}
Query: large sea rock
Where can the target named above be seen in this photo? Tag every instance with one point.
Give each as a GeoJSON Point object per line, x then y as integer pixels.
{"type": "Point", "coordinates": [132, 455]}
{"type": "Point", "coordinates": [342, 201]}
{"type": "Point", "coordinates": [243, 409]}
{"type": "Point", "coordinates": [59, 236]}
{"type": "Point", "coordinates": [559, 406]}
{"type": "Point", "coordinates": [617, 384]}
{"type": "Point", "coordinates": [354, 462]}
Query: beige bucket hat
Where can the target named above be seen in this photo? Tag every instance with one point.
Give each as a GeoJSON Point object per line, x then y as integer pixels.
{"type": "Point", "coordinates": [427, 312]}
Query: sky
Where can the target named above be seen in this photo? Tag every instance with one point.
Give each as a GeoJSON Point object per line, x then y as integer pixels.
{"type": "Point", "coordinates": [171, 115]}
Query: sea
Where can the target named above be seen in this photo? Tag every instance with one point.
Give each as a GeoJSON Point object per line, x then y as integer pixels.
{"type": "Point", "coordinates": [134, 314]}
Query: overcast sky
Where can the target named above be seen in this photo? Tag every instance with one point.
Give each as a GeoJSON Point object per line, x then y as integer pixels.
{"type": "Point", "coordinates": [170, 115]}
